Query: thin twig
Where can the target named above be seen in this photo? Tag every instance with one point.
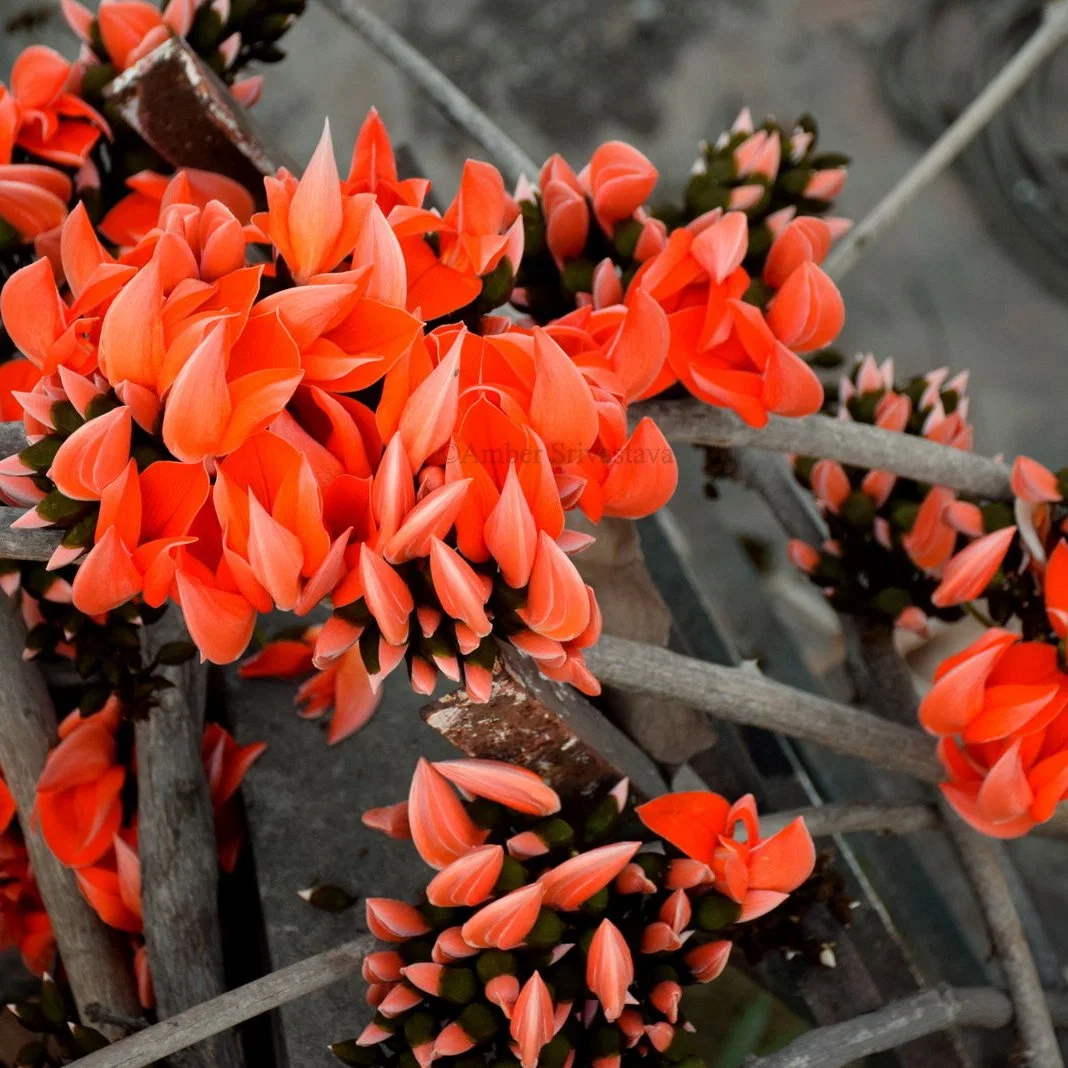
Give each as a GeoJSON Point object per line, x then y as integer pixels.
{"type": "Point", "coordinates": [899, 1022]}
{"type": "Point", "coordinates": [179, 869]}
{"type": "Point", "coordinates": [230, 1009]}
{"type": "Point", "coordinates": [825, 820]}
{"type": "Point", "coordinates": [512, 161]}
{"type": "Point", "coordinates": [980, 860]}
{"type": "Point", "coordinates": [1050, 35]}
{"type": "Point", "coordinates": [94, 956]}
{"type": "Point", "coordinates": [818, 435]}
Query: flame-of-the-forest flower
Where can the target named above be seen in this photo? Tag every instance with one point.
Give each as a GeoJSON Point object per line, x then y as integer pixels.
{"type": "Point", "coordinates": [899, 551]}
{"type": "Point", "coordinates": [560, 934]}
{"type": "Point", "coordinates": [24, 924]}
{"type": "Point", "coordinates": [725, 349]}
{"type": "Point", "coordinates": [42, 113]}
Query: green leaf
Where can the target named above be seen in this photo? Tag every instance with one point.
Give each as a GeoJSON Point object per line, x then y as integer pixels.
{"type": "Point", "coordinates": [173, 653]}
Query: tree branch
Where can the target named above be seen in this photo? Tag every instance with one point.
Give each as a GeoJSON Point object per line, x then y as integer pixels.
{"type": "Point", "coordinates": [1010, 79]}
{"type": "Point", "coordinates": [818, 435]}
{"type": "Point", "coordinates": [93, 955]}
{"type": "Point", "coordinates": [179, 881]}
{"type": "Point", "coordinates": [980, 860]}
{"type": "Point", "coordinates": [228, 1010]}
{"type": "Point", "coordinates": [825, 820]}
{"type": "Point", "coordinates": [743, 695]}
{"type": "Point", "coordinates": [512, 161]}
{"type": "Point", "coordinates": [900, 1022]}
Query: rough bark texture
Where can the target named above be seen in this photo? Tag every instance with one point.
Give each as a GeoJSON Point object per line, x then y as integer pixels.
{"type": "Point", "coordinates": [545, 726]}
{"type": "Point", "coordinates": [882, 678]}
{"type": "Point", "coordinates": [178, 105]}
{"type": "Point", "coordinates": [94, 956]}
{"type": "Point", "coordinates": [179, 870]}
{"type": "Point", "coordinates": [669, 731]}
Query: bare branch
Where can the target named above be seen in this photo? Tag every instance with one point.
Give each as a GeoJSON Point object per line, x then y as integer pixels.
{"type": "Point", "coordinates": [743, 695]}
{"type": "Point", "coordinates": [980, 860]}
{"type": "Point", "coordinates": [93, 955]}
{"type": "Point", "coordinates": [900, 1022]}
{"type": "Point", "coordinates": [817, 435]}
{"type": "Point", "coordinates": [1013, 76]}
{"type": "Point", "coordinates": [179, 869]}
{"type": "Point", "coordinates": [230, 1009]}
{"type": "Point", "coordinates": [512, 161]}
{"type": "Point", "coordinates": [825, 820]}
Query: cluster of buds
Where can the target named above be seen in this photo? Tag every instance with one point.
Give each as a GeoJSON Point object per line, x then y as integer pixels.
{"type": "Point", "coordinates": [773, 174]}
{"type": "Point", "coordinates": [55, 1035]}
{"type": "Point", "coordinates": [86, 812]}
{"type": "Point", "coordinates": [202, 431]}
{"type": "Point", "coordinates": [892, 540]}
{"type": "Point", "coordinates": [552, 937]}
{"type": "Point", "coordinates": [24, 924]}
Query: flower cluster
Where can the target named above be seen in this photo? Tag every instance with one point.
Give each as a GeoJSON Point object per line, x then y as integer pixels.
{"type": "Point", "coordinates": [888, 557]}
{"type": "Point", "coordinates": [202, 429]}
{"type": "Point", "coordinates": [24, 924]}
{"type": "Point", "coordinates": [86, 810]}
{"type": "Point", "coordinates": [561, 937]}
{"type": "Point", "coordinates": [743, 290]}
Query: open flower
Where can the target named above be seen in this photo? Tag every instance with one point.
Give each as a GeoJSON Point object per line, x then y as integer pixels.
{"type": "Point", "coordinates": [42, 112]}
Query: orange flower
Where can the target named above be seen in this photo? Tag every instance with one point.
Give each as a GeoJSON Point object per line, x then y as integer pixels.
{"type": "Point", "coordinates": [758, 873]}
{"type": "Point", "coordinates": [724, 350]}
{"type": "Point", "coordinates": [33, 198]}
{"type": "Point", "coordinates": [481, 229]}
{"type": "Point", "coordinates": [275, 542]}
{"type": "Point", "coordinates": [79, 803]}
{"type": "Point", "coordinates": [374, 169]}
{"type": "Point", "coordinates": [226, 764]}
{"type": "Point", "coordinates": [999, 710]}
{"type": "Point", "coordinates": [43, 114]}
{"type": "Point", "coordinates": [620, 180]}
{"type": "Point", "coordinates": [138, 213]}
{"type": "Point", "coordinates": [312, 223]}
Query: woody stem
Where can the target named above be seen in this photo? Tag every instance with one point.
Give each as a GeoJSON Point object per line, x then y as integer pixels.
{"type": "Point", "coordinates": [979, 857]}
